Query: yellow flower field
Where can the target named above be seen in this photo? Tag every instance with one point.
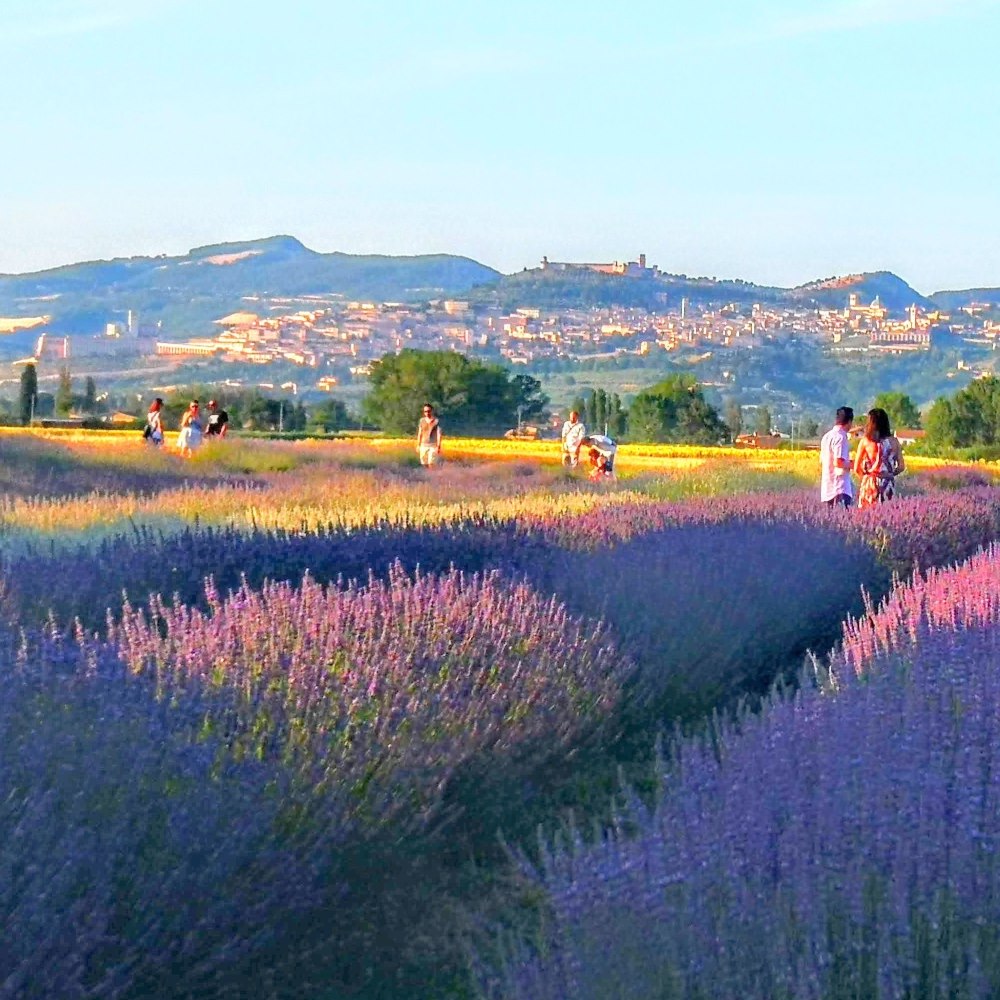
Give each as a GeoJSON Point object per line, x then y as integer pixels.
{"type": "Point", "coordinates": [303, 485]}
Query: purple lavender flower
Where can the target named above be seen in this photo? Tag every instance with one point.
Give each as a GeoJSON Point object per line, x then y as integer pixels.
{"type": "Point", "coordinates": [845, 841]}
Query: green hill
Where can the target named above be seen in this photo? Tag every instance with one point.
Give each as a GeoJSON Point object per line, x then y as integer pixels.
{"type": "Point", "coordinates": [890, 289]}
{"type": "Point", "coordinates": [951, 300]}
{"type": "Point", "coordinates": [583, 289]}
{"type": "Point", "coordinates": [186, 293]}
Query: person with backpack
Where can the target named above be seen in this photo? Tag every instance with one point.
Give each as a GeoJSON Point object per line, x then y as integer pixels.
{"type": "Point", "coordinates": [153, 431]}
{"type": "Point", "coordinates": [878, 461]}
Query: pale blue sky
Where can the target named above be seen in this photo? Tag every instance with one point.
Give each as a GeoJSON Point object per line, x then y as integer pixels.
{"type": "Point", "coordinates": [774, 140]}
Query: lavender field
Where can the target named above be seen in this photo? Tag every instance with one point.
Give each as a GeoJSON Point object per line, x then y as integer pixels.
{"type": "Point", "coordinates": [287, 721]}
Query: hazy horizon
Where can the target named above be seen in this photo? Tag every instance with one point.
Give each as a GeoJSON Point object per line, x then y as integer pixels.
{"type": "Point", "coordinates": [776, 141]}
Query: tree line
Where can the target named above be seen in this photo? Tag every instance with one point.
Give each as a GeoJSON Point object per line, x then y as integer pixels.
{"type": "Point", "coordinates": [473, 397]}
{"type": "Point", "coordinates": [248, 409]}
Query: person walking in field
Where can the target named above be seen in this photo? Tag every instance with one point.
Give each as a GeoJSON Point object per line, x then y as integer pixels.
{"type": "Point", "coordinates": [573, 433]}
{"type": "Point", "coordinates": [153, 431]}
{"type": "Point", "coordinates": [836, 488]}
{"type": "Point", "coordinates": [218, 420]}
{"type": "Point", "coordinates": [429, 437]}
{"type": "Point", "coordinates": [878, 461]}
{"type": "Point", "coordinates": [189, 437]}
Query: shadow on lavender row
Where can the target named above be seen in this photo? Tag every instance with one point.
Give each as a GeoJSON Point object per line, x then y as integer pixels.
{"type": "Point", "coordinates": [706, 609]}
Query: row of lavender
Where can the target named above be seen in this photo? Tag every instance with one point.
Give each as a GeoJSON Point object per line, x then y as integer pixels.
{"type": "Point", "coordinates": [924, 531]}
{"type": "Point", "coordinates": [844, 842]}
{"type": "Point", "coordinates": [730, 590]}
{"type": "Point", "coordinates": [194, 792]}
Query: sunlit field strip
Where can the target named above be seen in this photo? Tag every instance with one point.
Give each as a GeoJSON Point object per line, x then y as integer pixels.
{"type": "Point", "coordinates": [355, 501]}
{"type": "Point", "coordinates": [309, 484]}
{"type": "Point", "coordinates": [669, 456]}
{"type": "Point", "coordinates": [487, 449]}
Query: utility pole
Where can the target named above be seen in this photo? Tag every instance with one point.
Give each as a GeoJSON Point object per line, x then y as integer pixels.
{"type": "Point", "coordinates": [281, 416]}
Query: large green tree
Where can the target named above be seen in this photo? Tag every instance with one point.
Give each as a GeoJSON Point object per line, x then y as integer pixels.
{"type": "Point", "coordinates": [330, 415]}
{"type": "Point", "coordinates": [734, 418]}
{"type": "Point", "coordinates": [89, 404]}
{"type": "Point", "coordinates": [901, 409]}
{"type": "Point", "coordinates": [603, 409]}
{"type": "Point", "coordinates": [675, 410]}
{"type": "Point", "coordinates": [970, 417]}
{"type": "Point", "coordinates": [64, 394]}
{"type": "Point", "coordinates": [469, 396]}
{"type": "Point", "coordinates": [29, 393]}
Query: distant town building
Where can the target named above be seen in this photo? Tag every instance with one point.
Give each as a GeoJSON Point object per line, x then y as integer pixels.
{"type": "Point", "coordinates": [855, 313]}
{"type": "Point", "coordinates": [897, 341]}
{"type": "Point", "coordinates": [192, 348]}
{"type": "Point", "coordinates": [49, 348]}
{"type": "Point", "coordinates": [132, 329]}
{"type": "Point", "coordinates": [631, 269]}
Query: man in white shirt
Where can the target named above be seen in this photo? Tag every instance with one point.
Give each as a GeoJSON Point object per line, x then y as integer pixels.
{"type": "Point", "coordinates": [573, 433]}
{"type": "Point", "coordinates": [836, 488]}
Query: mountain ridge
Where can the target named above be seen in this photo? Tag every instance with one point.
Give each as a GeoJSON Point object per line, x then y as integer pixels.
{"type": "Point", "coordinates": [187, 291]}
{"type": "Point", "coordinates": [582, 287]}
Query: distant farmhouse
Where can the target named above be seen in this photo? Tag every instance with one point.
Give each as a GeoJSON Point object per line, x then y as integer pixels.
{"type": "Point", "coordinates": [632, 269]}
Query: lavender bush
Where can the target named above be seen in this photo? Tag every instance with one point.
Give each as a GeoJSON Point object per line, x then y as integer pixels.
{"type": "Point", "coordinates": [909, 533]}
{"type": "Point", "coordinates": [718, 607]}
{"type": "Point", "coordinates": [338, 726]}
{"type": "Point", "coordinates": [145, 563]}
{"type": "Point", "coordinates": [730, 593]}
{"type": "Point", "coordinates": [842, 843]}
{"type": "Point", "coordinates": [133, 862]}
{"type": "Point", "coordinates": [197, 790]}
{"type": "Point", "coordinates": [383, 690]}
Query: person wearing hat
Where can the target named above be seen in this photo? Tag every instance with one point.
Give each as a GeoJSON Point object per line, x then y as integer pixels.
{"type": "Point", "coordinates": [218, 420]}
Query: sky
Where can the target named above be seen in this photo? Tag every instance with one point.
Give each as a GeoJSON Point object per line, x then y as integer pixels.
{"type": "Point", "coordinates": [769, 140]}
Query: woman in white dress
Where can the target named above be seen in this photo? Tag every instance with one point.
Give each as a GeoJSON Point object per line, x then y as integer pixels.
{"type": "Point", "coordinates": [189, 438]}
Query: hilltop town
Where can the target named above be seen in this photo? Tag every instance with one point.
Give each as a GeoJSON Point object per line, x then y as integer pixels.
{"type": "Point", "coordinates": [321, 331]}
{"type": "Point", "coordinates": [744, 340]}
